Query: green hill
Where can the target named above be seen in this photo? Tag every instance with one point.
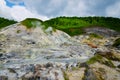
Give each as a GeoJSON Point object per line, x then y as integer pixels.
{"type": "Point", "coordinates": [75, 25]}
{"type": "Point", "coordinates": [31, 22]}
{"type": "Point", "coordinates": [71, 25]}
{"type": "Point", "coordinates": [5, 22]}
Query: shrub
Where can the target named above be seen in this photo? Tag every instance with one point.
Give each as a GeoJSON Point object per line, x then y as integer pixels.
{"type": "Point", "coordinates": [116, 42]}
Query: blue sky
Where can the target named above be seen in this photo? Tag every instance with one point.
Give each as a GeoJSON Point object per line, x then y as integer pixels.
{"type": "Point", "coordinates": [45, 9]}
{"type": "Point", "coordinates": [11, 4]}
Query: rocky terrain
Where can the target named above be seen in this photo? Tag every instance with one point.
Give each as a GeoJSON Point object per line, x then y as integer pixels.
{"type": "Point", "coordinates": [48, 54]}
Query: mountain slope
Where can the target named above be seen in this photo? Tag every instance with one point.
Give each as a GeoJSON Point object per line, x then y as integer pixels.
{"type": "Point", "coordinates": [36, 45]}
{"type": "Point", "coordinates": [75, 25]}
{"type": "Point", "coordinates": [30, 50]}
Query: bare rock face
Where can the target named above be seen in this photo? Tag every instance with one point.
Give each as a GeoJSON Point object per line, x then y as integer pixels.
{"type": "Point", "coordinates": [47, 54]}
{"type": "Point", "coordinates": [37, 53]}
{"type": "Point", "coordinates": [102, 31]}
{"type": "Point", "coordinates": [34, 35]}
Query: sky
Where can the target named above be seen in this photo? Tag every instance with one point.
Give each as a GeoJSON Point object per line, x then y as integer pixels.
{"type": "Point", "coordinates": [46, 9]}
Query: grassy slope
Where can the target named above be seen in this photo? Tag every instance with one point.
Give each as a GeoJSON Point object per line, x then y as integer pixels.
{"type": "Point", "coordinates": [75, 25]}
{"type": "Point", "coordinates": [5, 22]}
{"type": "Point", "coordinates": [31, 22]}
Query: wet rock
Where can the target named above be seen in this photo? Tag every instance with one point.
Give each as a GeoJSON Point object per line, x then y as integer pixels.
{"type": "Point", "coordinates": [3, 78]}
{"type": "Point", "coordinates": [89, 75]}
{"type": "Point", "coordinates": [118, 66]}
{"type": "Point", "coordinates": [67, 65]}
{"type": "Point", "coordinates": [11, 70]}
{"type": "Point", "coordinates": [48, 65]}
{"type": "Point", "coordinates": [30, 68]}
{"type": "Point", "coordinates": [82, 65]}
{"type": "Point", "coordinates": [1, 55]}
{"type": "Point", "coordinates": [31, 42]}
{"type": "Point", "coordinates": [1, 44]}
{"type": "Point", "coordinates": [10, 55]}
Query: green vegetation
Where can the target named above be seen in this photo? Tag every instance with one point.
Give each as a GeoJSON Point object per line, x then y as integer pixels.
{"type": "Point", "coordinates": [100, 59]}
{"type": "Point", "coordinates": [5, 22]}
{"type": "Point", "coordinates": [18, 31]}
{"type": "Point", "coordinates": [116, 43]}
{"type": "Point", "coordinates": [65, 75]}
{"type": "Point", "coordinates": [93, 35]}
{"type": "Point", "coordinates": [94, 59]}
{"type": "Point", "coordinates": [31, 22]}
{"type": "Point", "coordinates": [75, 25]}
{"type": "Point", "coordinates": [71, 25]}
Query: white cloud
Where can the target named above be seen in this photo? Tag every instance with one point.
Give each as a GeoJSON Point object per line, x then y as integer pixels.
{"type": "Point", "coordinates": [82, 7]}
{"type": "Point", "coordinates": [45, 7]}
{"type": "Point", "coordinates": [53, 8]}
{"type": "Point", "coordinates": [4, 10]}
{"type": "Point", "coordinates": [113, 10]}
{"type": "Point", "coordinates": [79, 8]}
{"type": "Point", "coordinates": [17, 12]}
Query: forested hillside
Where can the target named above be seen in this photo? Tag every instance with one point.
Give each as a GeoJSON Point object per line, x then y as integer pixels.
{"type": "Point", "coordinates": [75, 25]}
{"type": "Point", "coordinates": [5, 22]}
{"type": "Point", "coordinates": [71, 25]}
